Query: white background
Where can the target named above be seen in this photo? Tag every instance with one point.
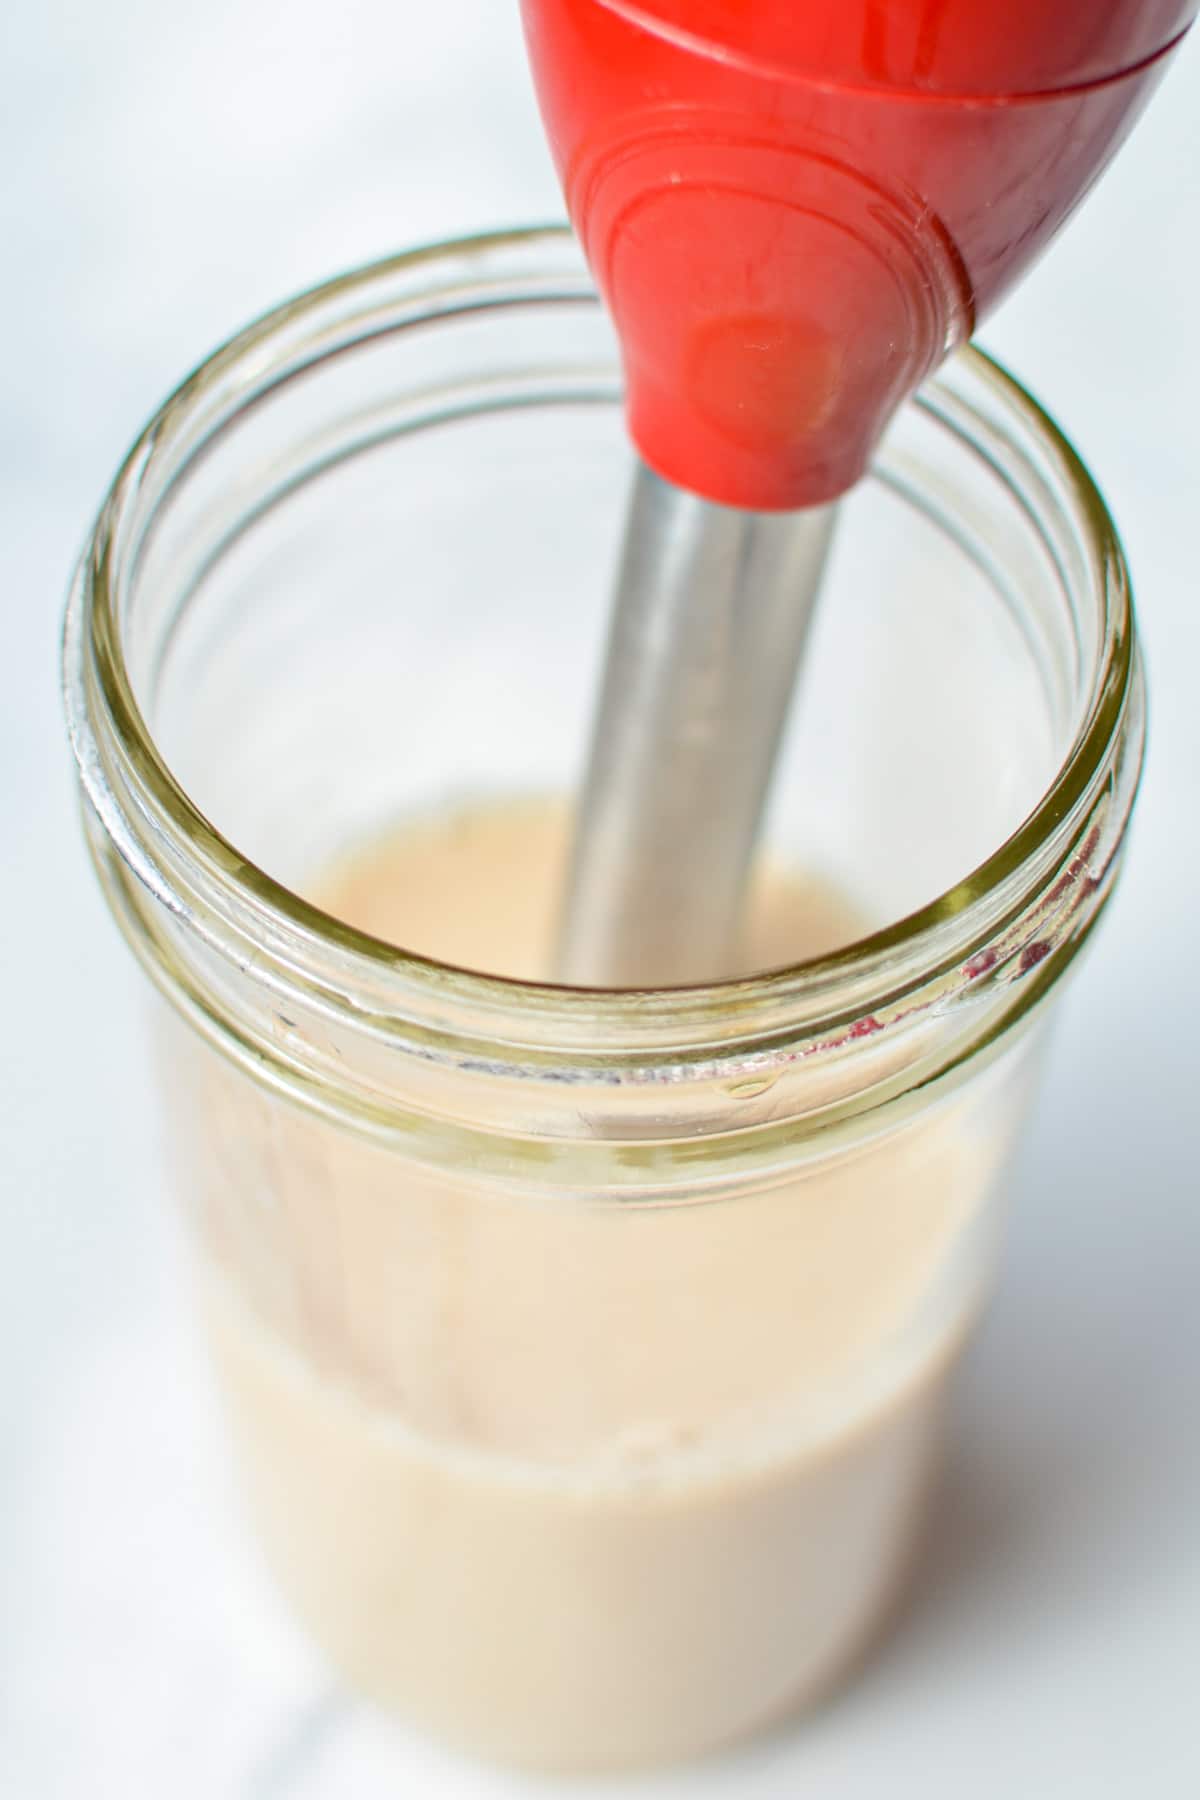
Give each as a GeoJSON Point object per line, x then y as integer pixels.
{"type": "Point", "coordinates": [159, 183]}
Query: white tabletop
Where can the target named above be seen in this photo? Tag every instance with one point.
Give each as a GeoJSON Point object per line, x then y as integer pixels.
{"type": "Point", "coordinates": [160, 183]}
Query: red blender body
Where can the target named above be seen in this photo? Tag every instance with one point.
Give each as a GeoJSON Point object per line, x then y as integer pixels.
{"type": "Point", "coordinates": [795, 208]}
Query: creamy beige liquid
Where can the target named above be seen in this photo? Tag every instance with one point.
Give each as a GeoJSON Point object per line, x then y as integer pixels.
{"type": "Point", "coordinates": [580, 1484]}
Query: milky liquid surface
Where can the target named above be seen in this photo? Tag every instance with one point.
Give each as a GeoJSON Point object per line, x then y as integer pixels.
{"type": "Point", "coordinates": [578, 1484]}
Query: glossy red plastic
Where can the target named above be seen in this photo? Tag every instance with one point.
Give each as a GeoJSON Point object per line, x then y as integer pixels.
{"type": "Point", "coordinates": [795, 208]}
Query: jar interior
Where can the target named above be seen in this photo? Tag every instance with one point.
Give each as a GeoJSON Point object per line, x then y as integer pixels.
{"type": "Point", "coordinates": [379, 584]}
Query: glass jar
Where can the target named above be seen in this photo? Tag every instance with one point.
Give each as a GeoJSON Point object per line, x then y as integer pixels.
{"type": "Point", "coordinates": [584, 1352]}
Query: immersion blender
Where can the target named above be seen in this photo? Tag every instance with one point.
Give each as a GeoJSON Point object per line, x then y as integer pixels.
{"type": "Point", "coordinates": [793, 210]}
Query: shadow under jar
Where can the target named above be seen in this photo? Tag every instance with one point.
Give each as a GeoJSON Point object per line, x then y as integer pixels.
{"type": "Point", "coordinates": [584, 1352]}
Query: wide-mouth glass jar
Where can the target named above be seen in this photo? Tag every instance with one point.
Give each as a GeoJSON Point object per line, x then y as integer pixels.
{"type": "Point", "coordinates": [584, 1352]}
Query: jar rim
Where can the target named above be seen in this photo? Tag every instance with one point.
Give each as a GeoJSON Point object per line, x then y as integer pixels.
{"type": "Point", "coordinates": [949, 939]}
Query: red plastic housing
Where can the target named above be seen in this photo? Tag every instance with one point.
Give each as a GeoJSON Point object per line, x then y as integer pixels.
{"type": "Point", "coordinates": [795, 208]}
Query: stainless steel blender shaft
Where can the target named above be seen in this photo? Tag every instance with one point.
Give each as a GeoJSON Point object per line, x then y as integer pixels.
{"type": "Point", "coordinates": [711, 614]}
